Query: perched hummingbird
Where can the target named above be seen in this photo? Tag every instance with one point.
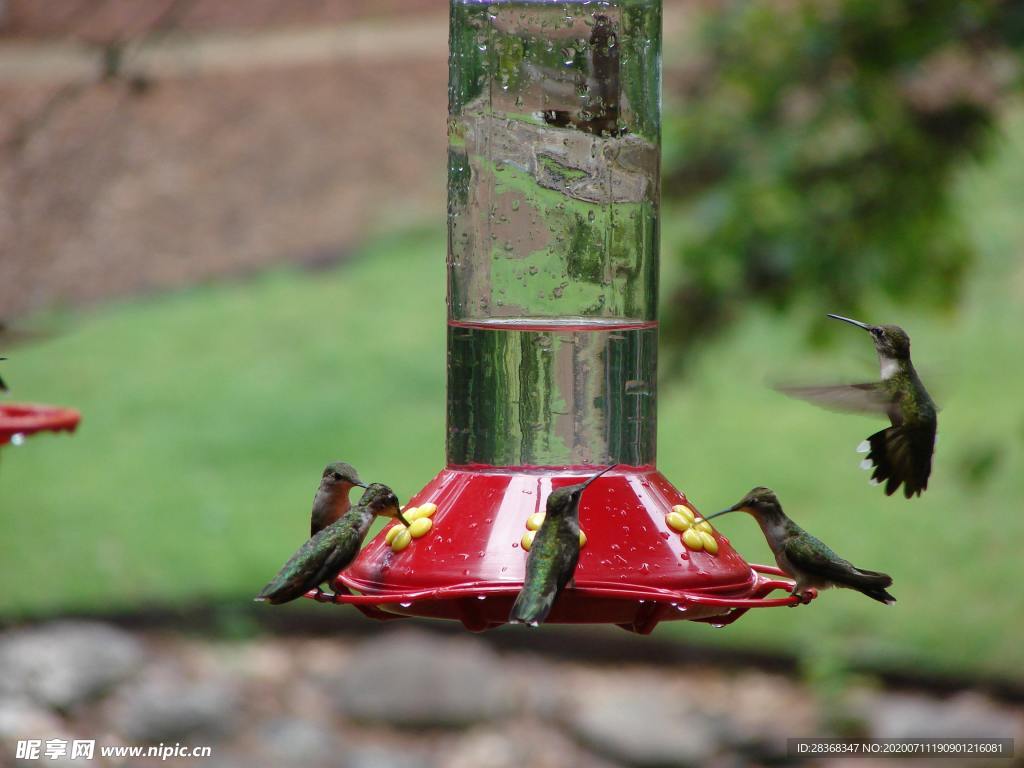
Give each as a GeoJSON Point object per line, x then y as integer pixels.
{"type": "Point", "coordinates": [803, 557]}
{"type": "Point", "coordinates": [331, 500]}
{"type": "Point", "coordinates": [332, 550]}
{"type": "Point", "coordinates": [902, 453]}
{"type": "Point", "coordinates": [553, 556]}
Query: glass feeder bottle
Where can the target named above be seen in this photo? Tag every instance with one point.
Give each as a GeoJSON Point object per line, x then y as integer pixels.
{"type": "Point", "coordinates": [553, 195]}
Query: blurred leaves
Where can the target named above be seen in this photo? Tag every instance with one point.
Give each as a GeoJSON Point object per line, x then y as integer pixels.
{"type": "Point", "coordinates": [814, 147]}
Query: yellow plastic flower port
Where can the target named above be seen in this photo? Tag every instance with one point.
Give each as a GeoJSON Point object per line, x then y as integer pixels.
{"type": "Point", "coordinates": [402, 540]}
{"type": "Point", "coordinates": [423, 510]}
{"type": "Point", "coordinates": [399, 537]}
{"type": "Point", "coordinates": [420, 527]}
{"type": "Point", "coordinates": [692, 540]}
{"type": "Point", "coordinates": [535, 521]}
{"type": "Point", "coordinates": [697, 533]}
{"type": "Point", "coordinates": [710, 543]}
{"type": "Point", "coordinates": [684, 511]}
{"type": "Point", "coordinates": [533, 524]}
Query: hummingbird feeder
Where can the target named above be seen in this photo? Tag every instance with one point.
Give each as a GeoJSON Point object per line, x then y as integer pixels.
{"type": "Point", "coordinates": [553, 198]}
{"type": "Point", "coordinates": [19, 421]}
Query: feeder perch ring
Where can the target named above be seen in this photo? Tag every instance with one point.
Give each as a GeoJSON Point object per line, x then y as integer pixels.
{"type": "Point", "coordinates": [462, 601]}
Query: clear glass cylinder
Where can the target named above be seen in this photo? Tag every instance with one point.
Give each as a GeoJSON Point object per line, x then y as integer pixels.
{"type": "Point", "coordinates": [553, 195]}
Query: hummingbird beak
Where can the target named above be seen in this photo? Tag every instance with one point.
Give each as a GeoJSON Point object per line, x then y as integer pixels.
{"type": "Point", "coordinates": [851, 321]}
{"type": "Point", "coordinates": [592, 479]}
{"type": "Point", "coordinates": [719, 514]}
{"type": "Point", "coordinates": [401, 519]}
{"type": "Point", "coordinates": [362, 485]}
{"type": "Point", "coordinates": [734, 508]}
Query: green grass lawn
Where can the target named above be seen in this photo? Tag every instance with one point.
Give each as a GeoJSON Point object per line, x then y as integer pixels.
{"type": "Point", "coordinates": [208, 414]}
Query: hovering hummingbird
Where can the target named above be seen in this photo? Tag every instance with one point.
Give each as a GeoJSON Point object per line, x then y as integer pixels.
{"type": "Point", "coordinates": [331, 500]}
{"type": "Point", "coordinates": [902, 453]}
{"type": "Point", "coordinates": [806, 559]}
{"type": "Point", "coordinates": [553, 556]}
{"type": "Point", "coordinates": [332, 550]}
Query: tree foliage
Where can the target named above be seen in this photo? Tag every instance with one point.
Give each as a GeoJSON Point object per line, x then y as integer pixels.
{"type": "Point", "coordinates": [814, 148]}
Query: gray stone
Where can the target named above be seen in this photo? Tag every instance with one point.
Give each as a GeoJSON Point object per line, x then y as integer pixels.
{"type": "Point", "coordinates": [292, 740]}
{"type": "Point", "coordinates": [967, 715]}
{"type": "Point", "coordinates": [22, 718]}
{"type": "Point", "coordinates": [519, 743]}
{"type": "Point", "coordinates": [64, 663]}
{"type": "Point", "coordinates": [162, 705]}
{"type": "Point", "coordinates": [413, 679]}
{"type": "Point", "coordinates": [384, 757]}
{"type": "Point", "coordinates": [642, 724]}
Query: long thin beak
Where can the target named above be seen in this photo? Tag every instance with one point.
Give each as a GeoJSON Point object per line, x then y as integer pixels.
{"type": "Point", "coordinates": [851, 321]}
{"type": "Point", "coordinates": [402, 519]}
{"type": "Point", "coordinates": [361, 485]}
{"type": "Point", "coordinates": [592, 479]}
{"type": "Point", "coordinates": [718, 514]}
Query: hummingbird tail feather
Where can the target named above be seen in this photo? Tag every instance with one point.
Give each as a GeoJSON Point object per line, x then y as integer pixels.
{"type": "Point", "coordinates": [880, 595]}
{"type": "Point", "coordinates": [870, 583]}
{"type": "Point", "coordinates": [531, 611]}
{"type": "Point", "coordinates": [901, 455]}
{"type": "Point", "coordinates": [270, 593]}
{"type": "Point", "coordinates": [266, 595]}
{"type": "Point", "coordinates": [282, 590]}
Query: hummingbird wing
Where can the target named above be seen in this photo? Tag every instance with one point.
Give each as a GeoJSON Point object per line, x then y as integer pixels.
{"type": "Point", "coordinates": [902, 455]}
{"type": "Point", "coordinates": [812, 556]}
{"type": "Point", "coordinates": [549, 567]}
{"type": "Point", "coordinates": [300, 574]}
{"type": "Point", "coordinates": [870, 397]}
{"type": "Point", "coordinates": [319, 559]}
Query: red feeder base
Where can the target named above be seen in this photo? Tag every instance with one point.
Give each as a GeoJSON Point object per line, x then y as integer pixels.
{"type": "Point", "coordinates": [25, 419]}
{"type": "Point", "coordinates": [634, 570]}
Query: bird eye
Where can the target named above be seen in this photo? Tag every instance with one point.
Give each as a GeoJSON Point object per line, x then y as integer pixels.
{"type": "Point", "coordinates": [337, 476]}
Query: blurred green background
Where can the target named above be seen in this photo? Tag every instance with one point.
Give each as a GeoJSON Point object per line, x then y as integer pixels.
{"type": "Point", "coordinates": [862, 158]}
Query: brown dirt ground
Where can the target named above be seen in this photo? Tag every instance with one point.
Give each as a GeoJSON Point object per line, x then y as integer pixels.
{"type": "Point", "coordinates": [107, 189]}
